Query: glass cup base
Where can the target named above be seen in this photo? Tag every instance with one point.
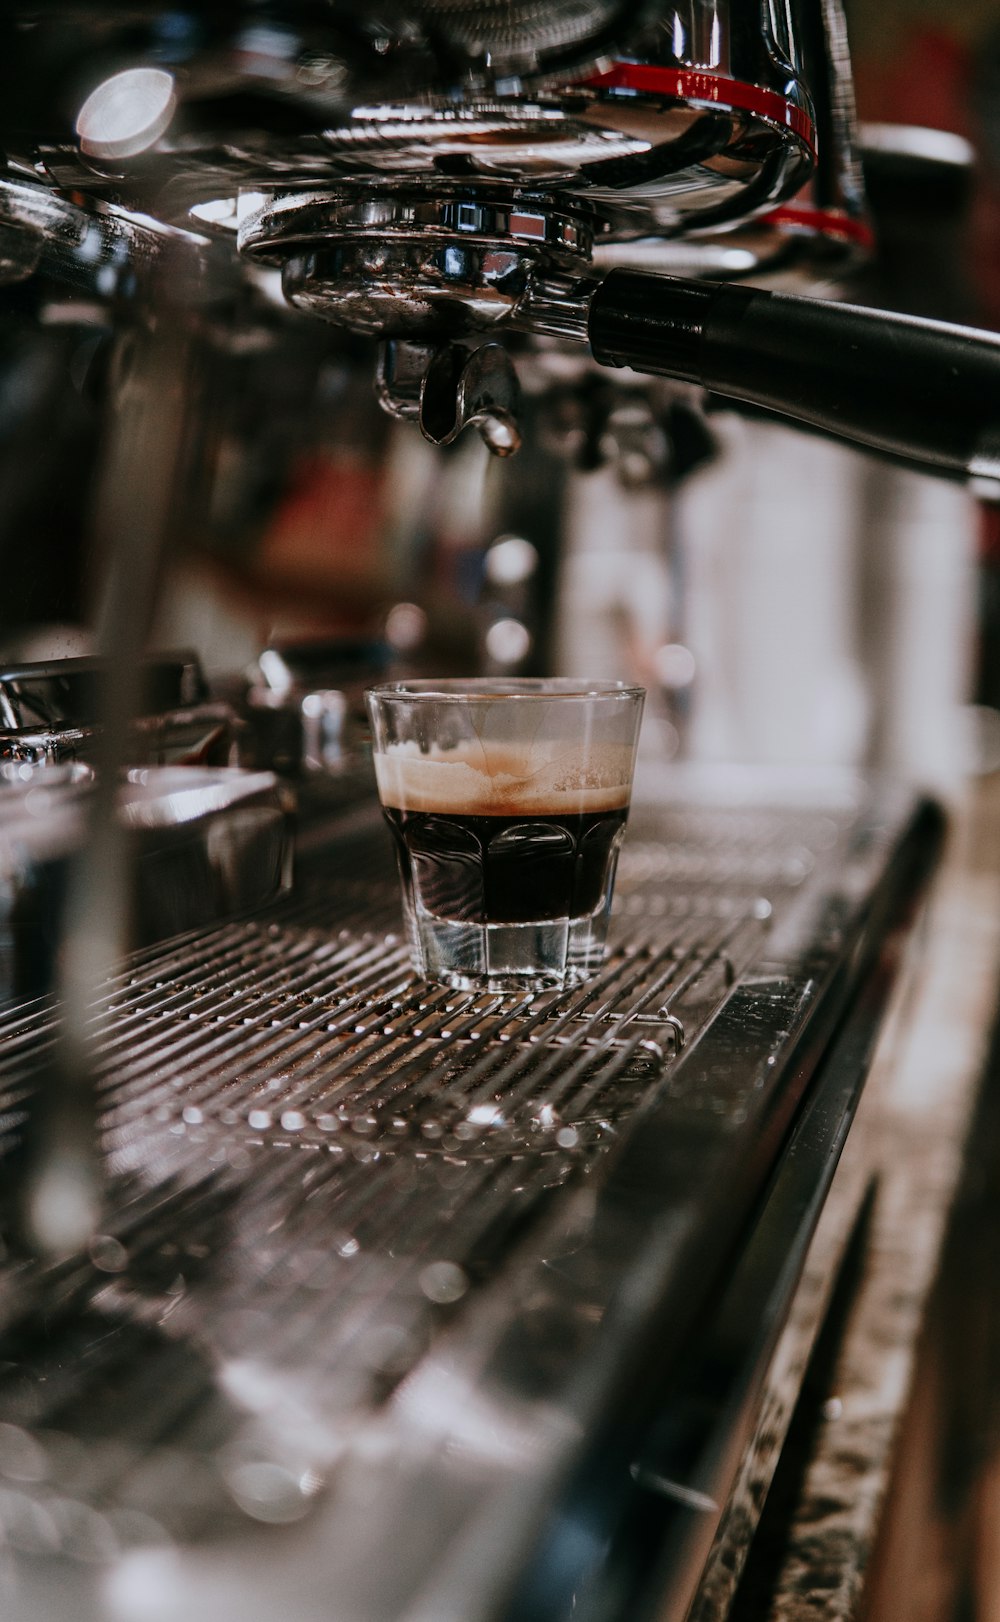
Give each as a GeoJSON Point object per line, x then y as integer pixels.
{"type": "Point", "coordinates": [525, 957]}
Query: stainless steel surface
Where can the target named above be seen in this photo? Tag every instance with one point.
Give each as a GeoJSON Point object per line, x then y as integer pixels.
{"type": "Point", "coordinates": [91, 248]}
{"type": "Point", "coordinates": [188, 846]}
{"type": "Point", "coordinates": [51, 712]}
{"type": "Point", "coordinates": [406, 263]}
{"type": "Point", "coordinates": [408, 179]}
{"type": "Point", "coordinates": [365, 1235]}
{"type": "Point", "coordinates": [408, 171]}
{"type": "Point", "coordinates": [203, 844]}
{"type": "Point", "coordinates": [202, 735]}
{"type": "Point", "coordinates": [519, 31]}
{"type": "Point", "coordinates": [725, 114]}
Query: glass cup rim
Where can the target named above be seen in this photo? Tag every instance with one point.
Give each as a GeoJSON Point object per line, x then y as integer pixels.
{"type": "Point", "coordinates": [492, 689]}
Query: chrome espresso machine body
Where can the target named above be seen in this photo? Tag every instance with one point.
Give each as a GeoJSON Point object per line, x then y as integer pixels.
{"type": "Point", "coordinates": [328, 1293]}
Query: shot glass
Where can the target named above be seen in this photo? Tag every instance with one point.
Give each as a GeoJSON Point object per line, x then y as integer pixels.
{"type": "Point", "coordinates": [507, 803]}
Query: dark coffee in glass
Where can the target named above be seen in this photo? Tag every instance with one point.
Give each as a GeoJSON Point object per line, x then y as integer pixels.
{"type": "Point", "coordinates": [507, 806]}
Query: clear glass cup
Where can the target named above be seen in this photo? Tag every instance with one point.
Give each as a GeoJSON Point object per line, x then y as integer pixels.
{"type": "Point", "coordinates": [507, 803]}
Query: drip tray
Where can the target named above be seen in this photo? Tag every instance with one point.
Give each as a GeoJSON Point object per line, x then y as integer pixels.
{"type": "Point", "coordinates": [334, 1189]}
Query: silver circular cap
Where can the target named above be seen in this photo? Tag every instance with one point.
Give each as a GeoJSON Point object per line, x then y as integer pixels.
{"type": "Point", "coordinates": [405, 265]}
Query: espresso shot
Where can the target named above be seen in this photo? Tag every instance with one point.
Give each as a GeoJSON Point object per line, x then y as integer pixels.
{"type": "Point", "coordinates": [507, 849]}
{"type": "Point", "coordinates": [505, 870]}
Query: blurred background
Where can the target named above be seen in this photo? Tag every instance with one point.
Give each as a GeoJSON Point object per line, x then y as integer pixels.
{"type": "Point", "coordinates": [785, 599]}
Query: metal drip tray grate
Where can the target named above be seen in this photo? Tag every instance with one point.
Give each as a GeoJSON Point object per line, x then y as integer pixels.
{"type": "Point", "coordinates": [281, 1032]}
{"type": "Point", "coordinates": [316, 1161]}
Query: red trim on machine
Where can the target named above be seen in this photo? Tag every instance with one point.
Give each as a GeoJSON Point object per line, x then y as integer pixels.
{"type": "Point", "coordinates": [690, 84]}
{"type": "Point", "coordinates": [827, 222]}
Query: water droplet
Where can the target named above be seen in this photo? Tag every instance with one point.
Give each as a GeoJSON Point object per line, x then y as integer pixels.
{"type": "Point", "coordinates": [259, 1119]}
{"type": "Point", "coordinates": [486, 1115]}
{"type": "Point", "coordinates": [348, 1246]}
{"type": "Point", "coordinates": [443, 1282]}
{"type": "Point", "coordinates": [107, 1253]}
{"type": "Point", "coordinates": [192, 1115]}
{"type": "Point", "coordinates": [567, 1137]}
{"type": "Point", "coordinates": [292, 1120]}
{"type": "Point", "coordinates": [268, 1492]}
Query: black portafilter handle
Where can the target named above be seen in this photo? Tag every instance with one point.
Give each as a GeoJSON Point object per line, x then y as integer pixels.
{"type": "Point", "coordinates": [921, 390]}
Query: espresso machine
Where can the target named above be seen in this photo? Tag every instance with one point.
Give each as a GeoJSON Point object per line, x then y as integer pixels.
{"type": "Point", "coordinates": [328, 1292]}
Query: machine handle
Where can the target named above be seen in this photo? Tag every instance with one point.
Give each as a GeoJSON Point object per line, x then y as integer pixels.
{"type": "Point", "coordinates": [922, 390]}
